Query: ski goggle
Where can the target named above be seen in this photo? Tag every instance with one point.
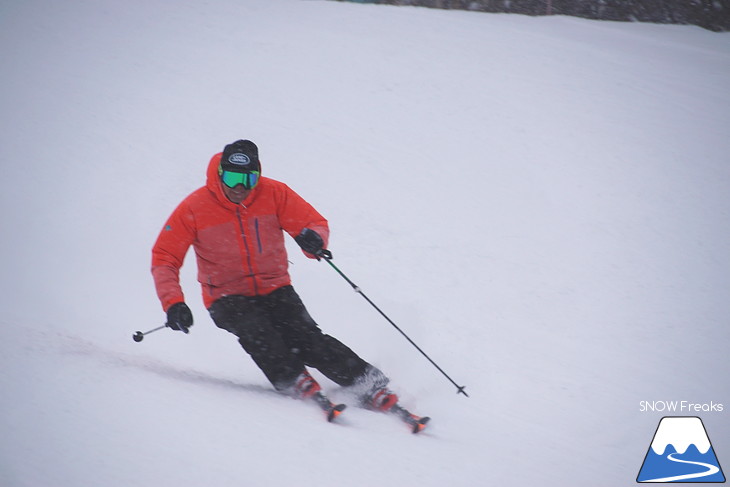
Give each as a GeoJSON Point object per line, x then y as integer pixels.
{"type": "Point", "coordinates": [233, 179]}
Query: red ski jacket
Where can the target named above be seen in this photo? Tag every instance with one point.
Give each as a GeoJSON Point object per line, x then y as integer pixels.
{"type": "Point", "coordinates": [239, 248]}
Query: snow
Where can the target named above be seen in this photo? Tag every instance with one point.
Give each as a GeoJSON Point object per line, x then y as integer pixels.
{"type": "Point", "coordinates": [680, 432]}
{"type": "Point", "coordinates": [540, 203]}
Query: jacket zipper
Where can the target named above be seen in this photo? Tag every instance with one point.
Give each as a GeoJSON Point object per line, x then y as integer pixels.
{"type": "Point", "coordinates": [258, 235]}
{"type": "Point", "coordinates": [248, 254]}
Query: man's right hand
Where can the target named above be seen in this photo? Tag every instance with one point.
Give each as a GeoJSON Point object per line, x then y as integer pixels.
{"type": "Point", "coordinates": [179, 317]}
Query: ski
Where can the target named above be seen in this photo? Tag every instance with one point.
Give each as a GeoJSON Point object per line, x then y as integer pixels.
{"type": "Point", "coordinates": [416, 423]}
{"type": "Point", "coordinates": [331, 410]}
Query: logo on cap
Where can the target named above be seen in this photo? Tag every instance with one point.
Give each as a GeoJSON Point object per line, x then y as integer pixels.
{"type": "Point", "coordinates": [239, 159]}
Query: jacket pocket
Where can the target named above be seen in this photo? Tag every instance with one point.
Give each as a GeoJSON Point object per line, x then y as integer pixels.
{"type": "Point", "coordinates": [258, 235]}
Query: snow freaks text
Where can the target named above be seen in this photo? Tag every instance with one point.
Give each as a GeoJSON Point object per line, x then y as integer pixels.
{"type": "Point", "coordinates": [682, 407]}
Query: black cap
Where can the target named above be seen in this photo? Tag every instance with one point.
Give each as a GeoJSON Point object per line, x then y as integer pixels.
{"type": "Point", "coordinates": [241, 156]}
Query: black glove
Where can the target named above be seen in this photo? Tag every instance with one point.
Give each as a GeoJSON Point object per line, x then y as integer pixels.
{"type": "Point", "coordinates": [179, 317]}
{"type": "Point", "coordinates": [312, 243]}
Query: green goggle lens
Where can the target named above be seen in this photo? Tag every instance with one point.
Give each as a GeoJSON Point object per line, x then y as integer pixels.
{"type": "Point", "coordinates": [233, 179]}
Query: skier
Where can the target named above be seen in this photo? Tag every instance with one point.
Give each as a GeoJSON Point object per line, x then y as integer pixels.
{"type": "Point", "coordinates": [235, 223]}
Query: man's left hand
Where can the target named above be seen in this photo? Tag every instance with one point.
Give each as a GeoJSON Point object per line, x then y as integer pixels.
{"type": "Point", "coordinates": [312, 243]}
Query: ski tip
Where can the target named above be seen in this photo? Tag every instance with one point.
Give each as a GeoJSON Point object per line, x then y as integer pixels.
{"type": "Point", "coordinates": [335, 411]}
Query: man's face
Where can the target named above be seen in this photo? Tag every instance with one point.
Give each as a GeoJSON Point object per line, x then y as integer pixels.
{"type": "Point", "coordinates": [236, 194]}
{"type": "Point", "coordinates": [238, 185]}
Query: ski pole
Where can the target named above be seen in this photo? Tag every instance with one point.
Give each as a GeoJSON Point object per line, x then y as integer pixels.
{"type": "Point", "coordinates": [139, 336]}
{"type": "Point", "coordinates": [327, 255]}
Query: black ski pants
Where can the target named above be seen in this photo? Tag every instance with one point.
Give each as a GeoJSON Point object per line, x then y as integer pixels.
{"type": "Point", "coordinates": [281, 338]}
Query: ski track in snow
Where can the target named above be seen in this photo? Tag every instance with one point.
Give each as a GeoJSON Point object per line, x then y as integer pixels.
{"type": "Point", "coordinates": [711, 469]}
